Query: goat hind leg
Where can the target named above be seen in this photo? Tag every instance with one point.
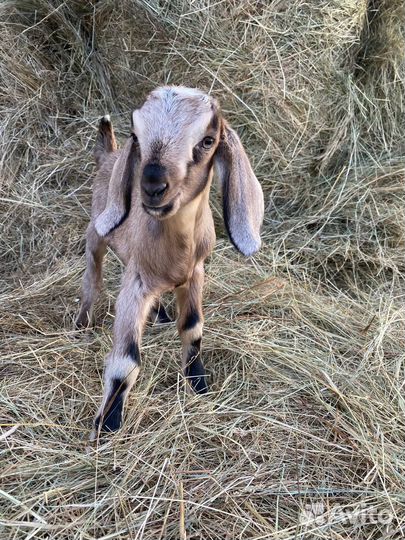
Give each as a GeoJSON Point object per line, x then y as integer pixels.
{"type": "Point", "coordinates": [93, 276]}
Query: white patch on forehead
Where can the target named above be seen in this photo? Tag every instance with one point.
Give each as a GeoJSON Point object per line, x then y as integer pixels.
{"type": "Point", "coordinates": [175, 117]}
{"type": "Point", "coordinates": [181, 92]}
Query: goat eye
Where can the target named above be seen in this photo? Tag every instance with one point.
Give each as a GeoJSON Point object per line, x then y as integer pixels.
{"type": "Point", "coordinates": [207, 142]}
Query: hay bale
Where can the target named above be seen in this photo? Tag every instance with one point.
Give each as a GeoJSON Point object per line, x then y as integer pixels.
{"type": "Point", "coordinates": [305, 343]}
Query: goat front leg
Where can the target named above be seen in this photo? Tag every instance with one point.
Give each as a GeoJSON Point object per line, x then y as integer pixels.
{"type": "Point", "coordinates": [190, 323]}
{"type": "Point", "coordinates": [93, 276]}
{"type": "Point", "coordinates": [122, 364]}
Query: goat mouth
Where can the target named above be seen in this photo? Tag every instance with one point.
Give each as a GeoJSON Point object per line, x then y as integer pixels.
{"type": "Point", "coordinates": [158, 211]}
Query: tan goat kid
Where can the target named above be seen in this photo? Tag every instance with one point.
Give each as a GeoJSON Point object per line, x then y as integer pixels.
{"type": "Point", "coordinates": [150, 205]}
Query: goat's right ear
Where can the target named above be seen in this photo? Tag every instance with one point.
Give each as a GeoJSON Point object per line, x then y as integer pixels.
{"type": "Point", "coordinates": [119, 190]}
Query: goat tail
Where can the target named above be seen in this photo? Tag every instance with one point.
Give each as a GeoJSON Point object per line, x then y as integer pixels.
{"type": "Point", "coordinates": [105, 141]}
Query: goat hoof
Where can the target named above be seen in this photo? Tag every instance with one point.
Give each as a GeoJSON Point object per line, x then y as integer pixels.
{"type": "Point", "coordinates": [199, 385]}
{"type": "Point", "coordinates": [110, 424]}
{"type": "Point", "coordinates": [82, 322]}
{"type": "Point", "coordinates": [111, 417]}
{"type": "Point", "coordinates": [159, 315]}
{"type": "Point", "coordinates": [196, 377]}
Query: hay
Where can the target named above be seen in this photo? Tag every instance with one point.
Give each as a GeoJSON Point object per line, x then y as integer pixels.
{"type": "Point", "coordinates": [305, 343]}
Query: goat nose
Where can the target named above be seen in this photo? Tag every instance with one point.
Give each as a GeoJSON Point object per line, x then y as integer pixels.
{"type": "Point", "coordinates": [154, 180]}
{"type": "Point", "coordinates": [154, 190]}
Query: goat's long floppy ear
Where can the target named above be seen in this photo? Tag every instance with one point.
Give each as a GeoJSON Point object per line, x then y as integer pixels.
{"type": "Point", "coordinates": [242, 195]}
{"type": "Point", "coordinates": [119, 191]}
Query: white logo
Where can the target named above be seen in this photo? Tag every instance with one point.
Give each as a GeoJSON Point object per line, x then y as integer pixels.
{"type": "Point", "coordinates": [315, 514]}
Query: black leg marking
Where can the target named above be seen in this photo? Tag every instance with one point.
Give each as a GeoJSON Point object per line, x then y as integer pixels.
{"type": "Point", "coordinates": [133, 352]}
{"type": "Point", "coordinates": [195, 371]}
{"type": "Point", "coordinates": [111, 417]}
{"type": "Point", "coordinates": [191, 320]}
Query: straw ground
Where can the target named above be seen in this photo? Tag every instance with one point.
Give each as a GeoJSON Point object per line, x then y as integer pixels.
{"type": "Point", "coordinates": [304, 343]}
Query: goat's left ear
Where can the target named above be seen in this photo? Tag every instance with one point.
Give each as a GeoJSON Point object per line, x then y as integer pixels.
{"type": "Point", "coordinates": [118, 202]}
{"type": "Point", "coordinates": [242, 195]}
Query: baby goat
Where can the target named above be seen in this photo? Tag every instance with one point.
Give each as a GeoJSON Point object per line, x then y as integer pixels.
{"type": "Point", "coordinates": [150, 205]}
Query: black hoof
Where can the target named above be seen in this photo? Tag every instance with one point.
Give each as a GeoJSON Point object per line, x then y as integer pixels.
{"type": "Point", "coordinates": [195, 371]}
{"type": "Point", "coordinates": [196, 377]}
{"type": "Point", "coordinates": [111, 421]}
{"type": "Point", "coordinates": [159, 315]}
{"type": "Point", "coordinates": [198, 384]}
{"type": "Point", "coordinates": [111, 417]}
{"type": "Point", "coordinates": [82, 321]}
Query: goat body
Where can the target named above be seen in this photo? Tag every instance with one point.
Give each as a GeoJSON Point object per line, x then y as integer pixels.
{"type": "Point", "coordinates": [151, 206]}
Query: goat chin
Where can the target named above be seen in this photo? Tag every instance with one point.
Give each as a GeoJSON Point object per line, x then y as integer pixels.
{"type": "Point", "coordinates": [165, 211]}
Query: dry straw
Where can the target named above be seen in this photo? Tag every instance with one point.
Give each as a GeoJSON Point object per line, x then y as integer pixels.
{"type": "Point", "coordinates": [304, 344]}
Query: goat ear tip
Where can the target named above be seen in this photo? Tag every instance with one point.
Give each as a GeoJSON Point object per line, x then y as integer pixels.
{"type": "Point", "coordinates": [101, 226]}
{"type": "Point", "coordinates": [251, 251]}
{"type": "Point", "coordinates": [248, 248]}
